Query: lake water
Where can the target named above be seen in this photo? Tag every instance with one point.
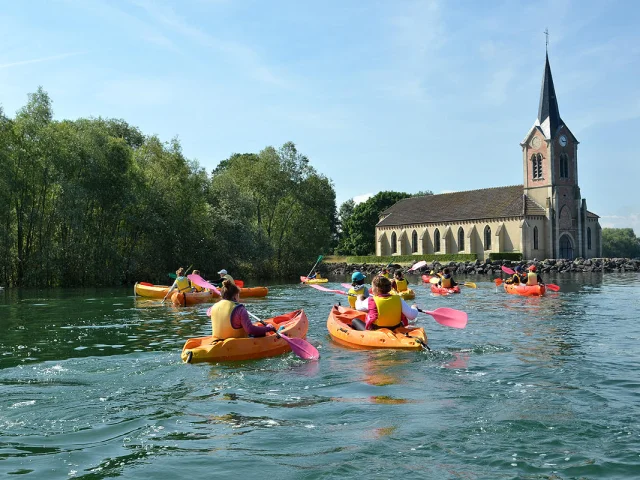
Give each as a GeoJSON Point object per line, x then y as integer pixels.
{"type": "Point", "coordinates": [92, 386]}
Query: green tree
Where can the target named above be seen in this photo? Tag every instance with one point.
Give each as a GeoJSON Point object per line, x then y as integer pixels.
{"type": "Point", "coordinates": [620, 243]}
{"type": "Point", "coordinates": [358, 234]}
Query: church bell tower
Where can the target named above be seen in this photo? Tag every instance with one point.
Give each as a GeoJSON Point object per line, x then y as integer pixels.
{"type": "Point", "coordinates": [550, 167]}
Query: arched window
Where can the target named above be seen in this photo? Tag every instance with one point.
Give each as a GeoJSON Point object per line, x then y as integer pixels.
{"type": "Point", "coordinates": [487, 237]}
{"type": "Point", "coordinates": [589, 238]}
{"type": "Point", "coordinates": [436, 240]}
{"type": "Point", "coordinates": [536, 166]}
{"type": "Point", "coordinates": [564, 166]}
{"type": "Point", "coordinates": [394, 243]}
{"type": "Point", "coordinates": [460, 239]}
{"type": "Point", "coordinates": [414, 242]}
{"type": "Point", "coordinates": [535, 238]}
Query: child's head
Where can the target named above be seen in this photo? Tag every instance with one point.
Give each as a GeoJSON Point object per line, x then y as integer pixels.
{"type": "Point", "coordinates": [398, 274]}
{"type": "Point", "coordinates": [357, 278]}
{"type": "Point", "coordinates": [180, 272]}
{"type": "Point", "coordinates": [229, 290]}
{"type": "Point", "coordinates": [196, 272]}
{"type": "Point", "coordinates": [446, 271]}
{"type": "Point", "coordinates": [382, 284]}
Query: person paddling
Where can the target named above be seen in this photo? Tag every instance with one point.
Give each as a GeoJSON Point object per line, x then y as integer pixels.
{"type": "Point", "coordinates": [384, 310]}
{"type": "Point", "coordinates": [224, 275]}
{"type": "Point", "coordinates": [518, 277]}
{"type": "Point", "coordinates": [357, 288]}
{"type": "Point", "coordinates": [534, 278]}
{"type": "Point", "coordinates": [230, 319]}
{"type": "Point", "coordinates": [399, 283]}
{"type": "Point", "coordinates": [196, 288]}
{"type": "Point", "coordinates": [181, 283]}
{"type": "Point", "coordinates": [446, 280]}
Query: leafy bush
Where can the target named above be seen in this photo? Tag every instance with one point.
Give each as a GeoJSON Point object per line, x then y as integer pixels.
{"type": "Point", "coordinates": [462, 257]}
{"type": "Point", "coordinates": [513, 256]}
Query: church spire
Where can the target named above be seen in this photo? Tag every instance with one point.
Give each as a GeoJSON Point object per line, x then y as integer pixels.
{"type": "Point", "coordinates": [548, 112]}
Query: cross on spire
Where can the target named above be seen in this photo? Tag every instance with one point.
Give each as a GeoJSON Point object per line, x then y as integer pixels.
{"type": "Point", "coordinates": [546, 32]}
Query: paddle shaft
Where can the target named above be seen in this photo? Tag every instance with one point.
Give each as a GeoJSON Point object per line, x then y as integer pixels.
{"type": "Point", "coordinates": [314, 265]}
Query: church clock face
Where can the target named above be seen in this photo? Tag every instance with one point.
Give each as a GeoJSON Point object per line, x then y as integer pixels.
{"type": "Point", "coordinates": [563, 140]}
{"type": "Point", "coordinates": [535, 142]}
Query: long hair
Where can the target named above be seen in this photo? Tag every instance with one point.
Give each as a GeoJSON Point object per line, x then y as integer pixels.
{"type": "Point", "coordinates": [229, 290]}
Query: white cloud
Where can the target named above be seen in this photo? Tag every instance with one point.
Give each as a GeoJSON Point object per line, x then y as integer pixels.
{"type": "Point", "coordinates": [362, 198]}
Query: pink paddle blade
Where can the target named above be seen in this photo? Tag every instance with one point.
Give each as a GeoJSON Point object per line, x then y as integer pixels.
{"type": "Point", "coordinates": [302, 348]}
{"type": "Point", "coordinates": [346, 285]}
{"type": "Point", "coordinates": [552, 286]}
{"type": "Point", "coordinates": [418, 265]}
{"type": "Point", "coordinates": [201, 282]}
{"type": "Point", "coordinates": [507, 270]}
{"type": "Point", "coordinates": [324, 289]}
{"type": "Point", "coordinates": [449, 317]}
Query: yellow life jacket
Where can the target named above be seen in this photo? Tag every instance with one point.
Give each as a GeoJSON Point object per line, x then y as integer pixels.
{"type": "Point", "coordinates": [361, 291]}
{"type": "Point", "coordinates": [183, 284]}
{"type": "Point", "coordinates": [221, 320]}
{"type": "Point", "coordinates": [385, 275]}
{"type": "Point", "coordinates": [389, 310]}
{"type": "Point", "coordinates": [197, 288]}
{"type": "Point", "coordinates": [446, 283]}
{"type": "Point", "coordinates": [401, 285]}
{"type": "Point", "coordinates": [532, 278]}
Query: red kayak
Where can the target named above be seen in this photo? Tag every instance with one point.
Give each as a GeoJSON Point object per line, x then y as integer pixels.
{"type": "Point", "coordinates": [444, 291]}
{"type": "Point", "coordinates": [427, 278]}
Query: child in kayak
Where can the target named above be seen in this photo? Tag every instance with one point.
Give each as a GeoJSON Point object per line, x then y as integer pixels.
{"type": "Point", "coordinates": [357, 288]}
{"type": "Point", "coordinates": [181, 283]}
{"type": "Point", "coordinates": [399, 283]}
{"type": "Point", "coordinates": [518, 277]}
{"type": "Point", "coordinates": [229, 318]}
{"type": "Point", "coordinates": [384, 310]}
{"type": "Point", "coordinates": [446, 279]}
{"type": "Point", "coordinates": [534, 278]}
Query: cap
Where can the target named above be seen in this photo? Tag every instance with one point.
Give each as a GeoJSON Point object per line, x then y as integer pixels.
{"type": "Point", "coordinates": [357, 276]}
{"type": "Point", "coordinates": [222, 272]}
{"type": "Point", "coordinates": [532, 268]}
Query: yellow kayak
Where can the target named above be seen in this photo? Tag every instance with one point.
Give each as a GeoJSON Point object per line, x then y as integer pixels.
{"type": "Point", "coordinates": [313, 280]}
{"type": "Point", "coordinates": [407, 294]}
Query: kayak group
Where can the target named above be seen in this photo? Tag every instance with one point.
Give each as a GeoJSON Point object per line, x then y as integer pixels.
{"type": "Point", "coordinates": [378, 317]}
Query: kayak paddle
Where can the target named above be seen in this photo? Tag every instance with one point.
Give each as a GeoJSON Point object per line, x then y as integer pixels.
{"type": "Point", "coordinates": [552, 286]}
{"type": "Point", "coordinates": [299, 346]}
{"type": "Point", "coordinates": [324, 289]}
{"type": "Point", "coordinates": [507, 270]}
{"type": "Point", "coordinates": [201, 282]}
{"type": "Point", "coordinates": [418, 265]}
{"type": "Point", "coordinates": [449, 317]}
{"type": "Point", "coordinates": [315, 264]}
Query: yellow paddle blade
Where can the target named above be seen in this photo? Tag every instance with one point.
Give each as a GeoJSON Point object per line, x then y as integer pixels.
{"type": "Point", "coordinates": [470, 285]}
{"type": "Point", "coordinates": [434, 280]}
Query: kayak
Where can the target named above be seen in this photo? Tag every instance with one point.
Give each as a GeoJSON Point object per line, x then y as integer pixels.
{"type": "Point", "coordinates": [444, 291]}
{"type": "Point", "coordinates": [313, 280]}
{"type": "Point", "coordinates": [210, 349]}
{"type": "Point", "coordinates": [427, 278]}
{"type": "Point", "coordinates": [184, 299]}
{"type": "Point", "coordinates": [144, 289]}
{"type": "Point", "coordinates": [525, 290]}
{"type": "Point", "coordinates": [339, 326]}
{"type": "Point", "coordinates": [407, 294]}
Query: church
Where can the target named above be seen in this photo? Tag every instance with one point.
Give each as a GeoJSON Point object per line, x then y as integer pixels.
{"type": "Point", "coordinates": [546, 217]}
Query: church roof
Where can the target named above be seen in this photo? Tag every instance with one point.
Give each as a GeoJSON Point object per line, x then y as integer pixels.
{"type": "Point", "coordinates": [548, 112]}
{"type": "Point", "coordinates": [484, 204]}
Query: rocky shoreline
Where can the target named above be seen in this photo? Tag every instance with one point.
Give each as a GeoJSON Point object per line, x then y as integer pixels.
{"type": "Point", "coordinates": [487, 267]}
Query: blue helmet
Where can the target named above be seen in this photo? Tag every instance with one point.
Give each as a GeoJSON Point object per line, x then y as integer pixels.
{"type": "Point", "coordinates": [357, 276]}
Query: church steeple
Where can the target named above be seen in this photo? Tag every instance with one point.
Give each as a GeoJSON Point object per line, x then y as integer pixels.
{"type": "Point", "coordinates": [548, 113]}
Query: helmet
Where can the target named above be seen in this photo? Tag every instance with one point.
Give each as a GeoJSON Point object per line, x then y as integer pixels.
{"type": "Point", "coordinates": [532, 268]}
{"type": "Point", "coordinates": [518, 268]}
{"type": "Point", "coordinates": [222, 272]}
{"type": "Point", "coordinates": [357, 276]}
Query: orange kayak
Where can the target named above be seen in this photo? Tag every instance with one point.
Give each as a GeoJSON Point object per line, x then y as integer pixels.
{"type": "Point", "coordinates": [339, 326]}
{"type": "Point", "coordinates": [184, 299]}
{"type": "Point", "coordinates": [444, 291]}
{"type": "Point", "coordinates": [525, 290]}
{"type": "Point", "coordinates": [210, 349]}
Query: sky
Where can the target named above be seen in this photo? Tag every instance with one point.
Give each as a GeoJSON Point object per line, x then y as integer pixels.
{"type": "Point", "coordinates": [404, 95]}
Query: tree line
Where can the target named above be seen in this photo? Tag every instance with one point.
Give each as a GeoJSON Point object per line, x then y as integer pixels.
{"type": "Point", "coordinates": [94, 201]}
